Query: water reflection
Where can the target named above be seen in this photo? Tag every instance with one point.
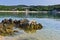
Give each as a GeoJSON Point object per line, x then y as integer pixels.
{"type": "Point", "coordinates": [30, 15]}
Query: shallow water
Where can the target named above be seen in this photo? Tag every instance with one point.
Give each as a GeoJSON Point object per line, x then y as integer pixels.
{"type": "Point", "coordinates": [50, 30]}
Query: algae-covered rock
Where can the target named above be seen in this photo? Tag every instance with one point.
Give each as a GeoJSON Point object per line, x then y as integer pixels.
{"type": "Point", "coordinates": [7, 26]}
{"type": "Point", "coordinates": [6, 29]}
{"type": "Point", "coordinates": [39, 26]}
{"type": "Point", "coordinates": [9, 31]}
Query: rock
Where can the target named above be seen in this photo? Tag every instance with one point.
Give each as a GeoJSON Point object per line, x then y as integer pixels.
{"type": "Point", "coordinates": [39, 26]}
{"type": "Point", "coordinates": [15, 31]}
{"type": "Point", "coordinates": [15, 21]}
{"type": "Point", "coordinates": [6, 26]}
{"type": "Point", "coordinates": [24, 21]}
{"type": "Point", "coordinates": [5, 21]}
{"type": "Point", "coordinates": [9, 31]}
{"type": "Point", "coordinates": [1, 25]}
{"type": "Point", "coordinates": [33, 22]}
{"type": "Point", "coordinates": [10, 21]}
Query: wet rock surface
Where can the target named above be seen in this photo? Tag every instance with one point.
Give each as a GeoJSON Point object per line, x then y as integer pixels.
{"type": "Point", "coordinates": [7, 25]}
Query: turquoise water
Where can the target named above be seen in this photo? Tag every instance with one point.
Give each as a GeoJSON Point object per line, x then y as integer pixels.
{"type": "Point", "coordinates": [50, 30]}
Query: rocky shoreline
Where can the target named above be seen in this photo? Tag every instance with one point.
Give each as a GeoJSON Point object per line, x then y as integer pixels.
{"type": "Point", "coordinates": [7, 25]}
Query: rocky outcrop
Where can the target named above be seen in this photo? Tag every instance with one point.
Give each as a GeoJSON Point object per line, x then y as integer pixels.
{"type": "Point", "coordinates": [7, 25]}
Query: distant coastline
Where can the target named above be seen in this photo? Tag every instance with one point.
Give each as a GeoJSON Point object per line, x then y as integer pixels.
{"type": "Point", "coordinates": [31, 7]}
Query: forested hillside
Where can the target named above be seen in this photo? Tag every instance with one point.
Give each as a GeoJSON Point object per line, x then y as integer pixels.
{"type": "Point", "coordinates": [31, 8]}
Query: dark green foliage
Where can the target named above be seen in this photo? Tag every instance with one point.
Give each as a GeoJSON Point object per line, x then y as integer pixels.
{"type": "Point", "coordinates": [31, 8]}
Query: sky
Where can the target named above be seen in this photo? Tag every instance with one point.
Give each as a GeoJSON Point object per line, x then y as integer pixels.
{"type": "Point", "coordinates": [29, 2]}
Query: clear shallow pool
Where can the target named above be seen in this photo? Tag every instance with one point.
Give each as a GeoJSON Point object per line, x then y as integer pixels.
{"type": "Point", "coordinates": [50, 30]}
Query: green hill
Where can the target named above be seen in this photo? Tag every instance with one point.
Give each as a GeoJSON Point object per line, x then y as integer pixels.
{"type": "Point", "coordinates": [31, 8]}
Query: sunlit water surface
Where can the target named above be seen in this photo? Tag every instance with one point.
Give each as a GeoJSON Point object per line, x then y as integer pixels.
{"type": "Point", "coordinates": [50, 30]}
